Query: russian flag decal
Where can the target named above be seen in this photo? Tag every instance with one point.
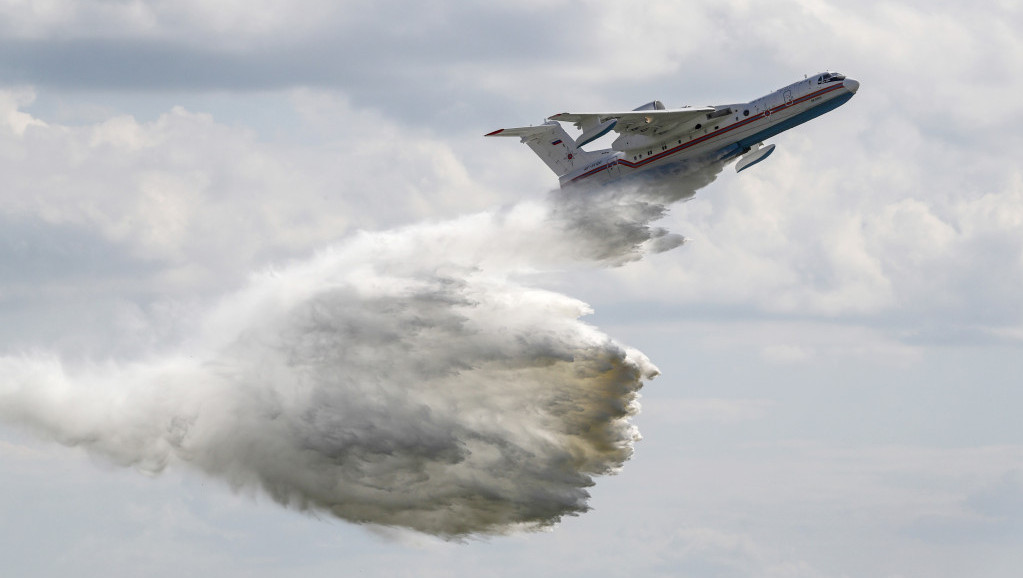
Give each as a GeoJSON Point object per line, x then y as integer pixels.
{"type": "Point", "coordinates": [557, 142]}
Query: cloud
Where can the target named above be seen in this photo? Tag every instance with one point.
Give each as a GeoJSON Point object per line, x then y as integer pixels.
{"type": "Point", "coordinates": [713, 410]}
{"type": "Point", "coordinates": [786, 354]}
{"type": "Point", "coordinates": [835, 233]}
{"type": "Point", "coordinates": [708, 551]}
{"type": "Point", "coordinates": [202, 202]}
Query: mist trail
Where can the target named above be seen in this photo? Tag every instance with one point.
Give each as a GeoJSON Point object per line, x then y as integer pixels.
{"type": "Point", "coordinates": [400, 378]}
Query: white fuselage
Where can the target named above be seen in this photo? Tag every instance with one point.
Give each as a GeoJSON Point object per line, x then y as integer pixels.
{"type": "Point", "coordinates": [727, 133]}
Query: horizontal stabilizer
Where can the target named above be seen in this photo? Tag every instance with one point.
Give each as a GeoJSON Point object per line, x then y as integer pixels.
{"type": "Point", "coordinates": [552, 144]}
{"type": "Point", "coordinates": [522, 131]}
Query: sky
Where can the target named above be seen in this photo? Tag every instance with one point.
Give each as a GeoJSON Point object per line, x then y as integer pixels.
{"type": "Point", "coordinates": [838, 341]}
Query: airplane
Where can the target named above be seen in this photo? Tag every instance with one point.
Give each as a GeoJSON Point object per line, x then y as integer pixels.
{"type": "Point", "coordinates": [654, 140]}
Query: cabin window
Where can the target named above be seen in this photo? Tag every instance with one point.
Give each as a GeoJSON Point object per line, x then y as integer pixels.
{"type": "Point", "coordinates": [745, 112]}
{"type": "Point", "coordinates": [650, 152]}
{"type": "Point", "coordinates": [699, 126]}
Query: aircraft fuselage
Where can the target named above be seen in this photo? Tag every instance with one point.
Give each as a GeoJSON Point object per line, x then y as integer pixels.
{"type": "Point", "coordinates": [731, 131]}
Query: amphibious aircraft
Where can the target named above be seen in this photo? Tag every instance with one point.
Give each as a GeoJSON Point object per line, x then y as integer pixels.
{"type": "Point", "coordinates": [655, 140]}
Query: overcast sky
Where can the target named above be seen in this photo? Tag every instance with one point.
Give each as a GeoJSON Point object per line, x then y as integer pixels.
{"type": "Point", "coordinates": [840, 343]}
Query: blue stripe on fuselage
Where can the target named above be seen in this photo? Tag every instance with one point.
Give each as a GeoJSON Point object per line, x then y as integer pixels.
{"type": "Point", "coordinates": [796, 120]}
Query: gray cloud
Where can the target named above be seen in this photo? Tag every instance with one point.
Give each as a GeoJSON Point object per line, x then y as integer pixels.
{"type": "Point", "coordinates": [34, 251]}
{"type": "Point", "coordinates": [376, 54]}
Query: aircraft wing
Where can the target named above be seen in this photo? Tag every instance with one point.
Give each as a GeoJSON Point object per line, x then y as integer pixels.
{"type": "Point", "coordinates": [648, 122]}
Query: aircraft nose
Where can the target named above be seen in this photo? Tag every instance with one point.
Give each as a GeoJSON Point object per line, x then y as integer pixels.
{"type": "Point", "coordinates": [851, 85]}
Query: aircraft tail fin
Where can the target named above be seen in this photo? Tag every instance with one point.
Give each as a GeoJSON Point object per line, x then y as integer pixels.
{"type": "Point", "coordinates": [552, 144]}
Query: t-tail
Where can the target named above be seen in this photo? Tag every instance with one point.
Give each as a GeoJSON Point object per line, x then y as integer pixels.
{"type": "Point", "coordinates": [552, 144]}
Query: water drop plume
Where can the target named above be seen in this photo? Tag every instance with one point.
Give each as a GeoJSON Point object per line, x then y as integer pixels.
{"type": "Point", "coordinates": [405, 378]}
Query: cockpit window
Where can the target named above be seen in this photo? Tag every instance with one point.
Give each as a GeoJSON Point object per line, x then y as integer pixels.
{"type": "Point", "coordinates": [829, 77]}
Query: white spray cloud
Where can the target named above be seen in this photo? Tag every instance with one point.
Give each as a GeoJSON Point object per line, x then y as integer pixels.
{"type": "Point", "coordinates": [401, 378]}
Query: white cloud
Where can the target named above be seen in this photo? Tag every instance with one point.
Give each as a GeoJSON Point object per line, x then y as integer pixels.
{"type": "Point", "coordinates": [13, 118]}
{"type": "Point", "coordinates": [227, 23]}
{"type": "Point", "coordinates": [835, 230]}
{"type": "Point", "coordinates": [212, 202]}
